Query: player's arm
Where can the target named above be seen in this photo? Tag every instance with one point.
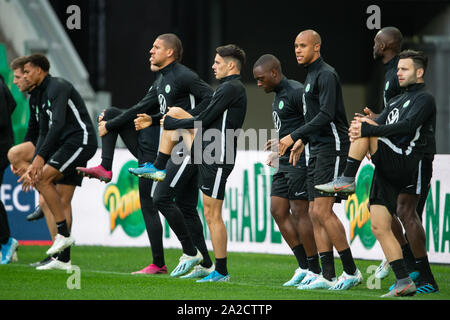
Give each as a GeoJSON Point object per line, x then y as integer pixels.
{"type": "Point", "coordinates": [58, 96]}
{"type": "Point", "coordinates": [33, 128]}
{"type": "Point", "coordinates": [4, 109]}
{"type": "Point", "coordinates": [201, 91]}
{"type": "Point", "coordinates": [327, 83]}
{"type": "Point", "coordinates": [220, 101]}
{"type": "Point", "coordinates": [423, 108]}
{"type": "Point", "coordinates": [296, 101]}
{"type": "Point", "coordinates": [149, 105]}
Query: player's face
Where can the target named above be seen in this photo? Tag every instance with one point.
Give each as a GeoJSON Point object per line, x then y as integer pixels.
{"type": "Point", "coordinates": [158, 55]}
{"type": "Point", "coordinates": [20, 82]}
{"type": "Point", "coordinates": [406, 72]}
{"type": "Point", "coordinates": [305, 49]}
{"type": "Point", "coordinates": [31, 74]}
{"type": "Point", "coordinates": [264, 79]}
{"type": "Point", "coordinates": [377, 51]}
{"type": "Point", "coordinates": [220, 67]}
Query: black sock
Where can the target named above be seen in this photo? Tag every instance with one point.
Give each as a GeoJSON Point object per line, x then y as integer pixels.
{"type": "Point", "coordinates": [64, 256]}
{"type": "Point", "coordinates": [408, 256]}
{"type": "Point", "coordinates": [4, 240]}
{"type": "Point", "coordinates": [158, 263]}
{"type": "Point", "coordinates": [300, 254]}
{"type": "Point", "coordinates": [221, 266]}
{"type": "Point", "coordinates": [313, 264]}
{"type": "Point", "coordinates": [188, 247]}
{"type": "Point", "coordinates": [327, 260]}
{"type": "Point", "coordinates": [399, 268]}
{"type": "Point", "coordinates": [351, 167]}
{"type": "Point", "coordinates": [348, 263]}
{"type": "Point", "coordinates": [423, 265]}
{"type": "Point", "coordinates": [161, 161]}
{"type": "Point", "coordinates": [62, 228]}
{"type": "Point", "coordinates": [207, 262]}
{"type": "Point", "coordinates": [107, 164]}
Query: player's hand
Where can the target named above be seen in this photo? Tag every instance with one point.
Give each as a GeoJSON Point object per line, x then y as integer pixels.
{"type": "Point", "coordinates": [285, 143]}
{"type": "Point", "coordinates": [25, 179]}
{"type": "Point", "coordinates": [27, 183]}
{"type": "Point", "coordinates": [359, 115]}
{"type": "Point", "coordinates": [370, 114]}
{"type": "Point", "coordinates": [271, 145]}
{"type": "Point", "coordinates": [17, 172]}
{"type": "Point", "coordinates": [296, 151]}
{"type": "Point", "coordinates": [161, 122]}
{"type": "Point", "coordinates": [369, 121]}
{"type": "Point", "coordinates": [142, 121]}
{"type": "Point", "coordinates": [354, 131]}
{"type": "Point", "coordinates": [102, 131]}
{"type": "Point", "coordinates": [35, 170]}
{"type": "Point", "coordinates": [101, 115]}
{"type": "Point", "coordinates": [272, 160]}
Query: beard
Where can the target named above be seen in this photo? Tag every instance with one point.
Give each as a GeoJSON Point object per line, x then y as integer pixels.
{"type": "Point", "coordinates": [377, 55]}
{"type": "Point", "coordinates": [409, 81]}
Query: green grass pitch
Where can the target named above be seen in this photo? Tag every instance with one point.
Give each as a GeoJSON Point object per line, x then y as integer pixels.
{"type": "Point", "coordinates": [105, 275]}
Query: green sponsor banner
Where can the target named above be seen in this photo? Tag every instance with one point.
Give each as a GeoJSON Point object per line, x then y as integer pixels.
{"type": "Point", "coordinates": [436, 235]}
{"type": "Point", "coordinates": [357, 211]}
{"type": "Point", "coordinates": [121, 200]}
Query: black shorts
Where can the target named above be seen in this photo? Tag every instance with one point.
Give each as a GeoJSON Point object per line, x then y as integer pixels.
{"type": "Point", "coordinates": [290, 182]}
{"type": "Point", "coordinates": [69, 156]}
{"type": "Point", "coordinates": [213, 178]}
{"type": "Point", "coordinates": [421, 185]}
{"type": "Point", "coordinates": [393, 172]}
{"type": "Point", "coordinates": [323, 168]}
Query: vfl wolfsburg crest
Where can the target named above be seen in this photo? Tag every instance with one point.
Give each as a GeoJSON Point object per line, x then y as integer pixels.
{"type": "Point", "coordinates": [168, 88]}
{"type": "Point", "coordinates": [122, 202]}
{"type": "Point", "coordinates": [357, 211]}
{"type": "Point", "coordinates": [406, 103]}
{"type": "Point", "coordinates": [386, 86]}
{"type": "Point", "coordinates": [281, 105]}
{"type": "Point", "coordinates": [307, 87]}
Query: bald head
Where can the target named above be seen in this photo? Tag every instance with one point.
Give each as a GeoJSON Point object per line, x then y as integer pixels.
{"type": "Point", "coordinates": [268, 62]}
{"type": "Point", "coordinates": [387, 43]}
{"type": "Point", "coordinates": [311, 35]}
{"type": "Point", "coordinates": [307, 47]}
{"type": "Point", "coordinates": [392, 37]}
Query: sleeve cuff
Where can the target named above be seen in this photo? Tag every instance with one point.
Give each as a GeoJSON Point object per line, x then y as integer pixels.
{"type": "Point", "coordinates": [296, 136]}
{"type": "Point", "coordinates": [366, 129]}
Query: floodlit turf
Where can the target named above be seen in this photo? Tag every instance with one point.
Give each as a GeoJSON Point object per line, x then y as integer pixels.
{"type": "Point", "coordinates": [105, 274]}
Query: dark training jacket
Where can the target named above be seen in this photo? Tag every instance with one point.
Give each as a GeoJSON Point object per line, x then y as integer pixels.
{"type": "Point", "coordinates": [175, 85]}
{"type": "Point", "coordinates": [63, 116]}
{"type": "Point", "coordinates": [7, 107]}
{"type": "Point", "coordinates": [226, 111]}
{"type": "Point", "coordinates": [408, 123]}
{"type": "Point", "coordinates": [326, 126]}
